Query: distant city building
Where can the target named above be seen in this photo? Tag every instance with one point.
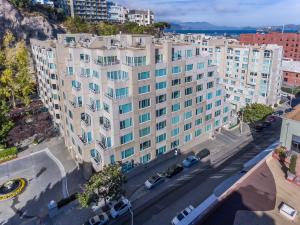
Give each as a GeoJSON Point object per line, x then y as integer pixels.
{"type": "Point", "coordinates": [43, 2]}
{"type": "Point", "coordinates": [116, 13]}
{"type": "Point", "coordinates": [64, 5]}
{"type": "Point", "coordinates": [141, 17]}
{"type": "Point", "coordinates": [90, 10]}
{"type": "Point", "coordinates": [130, 98]}
{"type": "Point", "coordinates": [291, 73]}
{"type": "Point", "coordinates": [250, 73]}
{"type": "Point", "coordinates": [290, 130]}
{"type": "Point", "coordinates": [289, 41]}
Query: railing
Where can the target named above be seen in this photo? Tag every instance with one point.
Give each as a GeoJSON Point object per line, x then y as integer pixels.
{"type": "Point", "coordinates": [76, 88]}
{"type": "Point", "coordinates": [94, 91]}
{"type": "Point", "coordinates": [86, 122]}
{"type": "Point", "coordinates": [102, 145]}
{"type": "Point", "coordinates": [92, 108]}
{"type": "Point", "coordinates": [106, 63]}
{"type": "Point", "coordinates": [75, 105]}
{"type": "Point", "coordinates": [83, 140]}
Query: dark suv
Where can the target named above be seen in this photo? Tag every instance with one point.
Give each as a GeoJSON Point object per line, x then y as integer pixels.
{"type": "Point", "coordinates": [173, 170]}
{"type": "Point", "coordinates": [203, 153]}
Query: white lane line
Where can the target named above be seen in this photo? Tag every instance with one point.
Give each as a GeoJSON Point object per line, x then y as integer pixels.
{"type": "Point", "coordinates": [62, 172]}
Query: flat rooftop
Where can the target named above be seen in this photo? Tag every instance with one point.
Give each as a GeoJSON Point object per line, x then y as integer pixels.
{"type": "Point", "coordinates": [257, 199]}
{"type": "Point", "coordinates": [295, 114]}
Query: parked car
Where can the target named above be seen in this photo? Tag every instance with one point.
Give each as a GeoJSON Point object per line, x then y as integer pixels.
{"type": "Point", "coordinates": [173, 170]}
{"type": "Point", "coordinates": [278, 113]}
{"type": "Point", "coordinates": [266, 123]}
{"type": "Point", "coordinates": [154, 180]}
{"type": "Point", "coordinates": [203, 153]}
{"type": "Point", "coordinates": [100, 219]}
{"type": "Point", "coordinates": [258, 128]}
{"type": "Point", "coordinates": [120, 208]}
{"type": "Point", "coordinates": [182, 215]}
{"type": "Point", "coordinates": [189, 161]}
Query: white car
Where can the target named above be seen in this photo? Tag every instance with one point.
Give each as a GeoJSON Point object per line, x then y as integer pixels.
{"type": "Point", "coordinates": [182, 215]}
{"type": "Point", "coordinates": [98, 220]}
{"type": "Point", "coordinates": [120, 208]}
{"type": "Point", "coordinates": [154, 180]}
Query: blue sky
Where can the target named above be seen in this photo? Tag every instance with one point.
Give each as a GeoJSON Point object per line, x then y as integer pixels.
{"type": "Point", "coordinates": [222, 12]}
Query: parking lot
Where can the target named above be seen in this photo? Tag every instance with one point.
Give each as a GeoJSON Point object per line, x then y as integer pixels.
{"type": "Point", "coordinates": [44, 174]}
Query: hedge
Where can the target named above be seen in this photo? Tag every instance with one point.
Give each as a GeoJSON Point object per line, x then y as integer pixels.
{"type": "Point", "coordinates": [293, 162]}
{"type": "Point", "coordinates": [8, 152]}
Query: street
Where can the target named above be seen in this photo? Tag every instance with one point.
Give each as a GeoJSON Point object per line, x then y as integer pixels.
{"type": "Point", "coordinates": [199, 187]}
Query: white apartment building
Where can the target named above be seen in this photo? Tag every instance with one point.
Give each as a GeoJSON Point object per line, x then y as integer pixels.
{"type": "Point", "coordinates": [44, 56]}
{"type": "Point", "coordinates": [251, 74]}
{"type": "Point", "coordinates": [43, 2]}
{"type": "Point", "coordinates": [141, 17]}
{"type": "Point", "coordinates": [116, 13]}
{"type": "Point", "coordinates": [131, 98]}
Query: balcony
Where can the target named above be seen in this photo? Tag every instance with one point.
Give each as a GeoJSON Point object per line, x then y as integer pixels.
{"type": "Point", "coordinates": [105, 123]}
{"type": "Point", "coordinates": [97, 62]}
{"type": "Point", "coordinates": [75, 104]}
{"type": "Point", "coordinates": [92, 108]}
{"type": "Point", "coordinates": [78, 88]}
{"type": "Point", "coordinates": [102, 145]}
{"type": "Point", "coordinates": [94, 91]}
{"type": "Point", "coordinates": [82, 139]}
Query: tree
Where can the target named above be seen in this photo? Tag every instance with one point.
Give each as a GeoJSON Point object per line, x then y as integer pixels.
{"type": "Point", "coordinates": [293, 162]}
{"type": "Point", "coordinates": [23, 4]}
{"type": "Point", "coordinates": [256, 112]}
{"type": "Point", "coordinates": [107, 184]}
{"type": "Point", "coordinates": [5, 123]}
{"type": "Point", "coordinates": [15, 79]}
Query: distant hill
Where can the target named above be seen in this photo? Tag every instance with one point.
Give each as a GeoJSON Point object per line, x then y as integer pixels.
{"type": "Point", "coordinates": [204, 26]}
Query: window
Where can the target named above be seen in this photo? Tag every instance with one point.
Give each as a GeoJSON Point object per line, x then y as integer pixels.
{"type": "Point", "coordinates": [176, 82]}
{"type": "Point", "coordinates": [209, 106]}
{"type": "Point", "coordinates": [144, 103]}
{"type": "Point", "coordinates": [207, 127]}
{"type": "Point", "coordinates": [218, 92]}
{"type": "Point", "coordinates": [121, 93]}
{"type": "Point", "coordinates": [198, 122]}
{"type": "Point", "coordinates": [200, 76]}
{"type": "Point", "coordinates": [161, 138]}
{"type": "Point", "coordinates": [187, 137]}
{"type": "Point", "coordinates": [161, 112]}
{"type": "Point", "coordinates": [236, 98]}
{"type": "Point", "coordinates": [70, 71]}
{"type": "Point", "coordinates": [145, 145]}
{"type": "Point", "coordinates": [217, 113]}
{"type": "Point", "coordinates": [210, 84]}
{"type": "Point", "coordinates": [161, 125]}
{"type": "Point", "coordinates": [188, 91]}
{"type": "Point", "coordinates": [136, 61]}
{"type": "Point", "coordinates": [226, 109]}
{"type": "Point", "coordinates": [161, 85]}
{"type": "Point", "coordinates": [144, 117]}
{"type": "Point", "coordinates": [188, 53]}
{"type": "Point", "coordinates": [117, 75]}
{"type": "Point", "coordinates": [198, 132]}
{"type": "Point", "coordinates": [189, 67]}
{"type": "Point", "coordinates": [175, 132]}
{"type": "Point", "coordinates": [175, 94]}
{"type": "Point", "coordinates": [218, 103]}
{"type": "Point", "coordinates": [199, 99]}
{"type": "Point", "coordinates": [175, 120]}
{"type": "Point", "coordinates": [208, 117]}
{"type": "Point", "coordinates": [161, 150]}
{"type": "Point", "coordinates": [144, 89]}
{"type": "Point", "coordinates": [176, 107]}
{"type": "Point", "coordinates": [200, 65]}
{"type": "Point", "coordinates": [210, 74]}
{"type": "Point", "coordinates": [126, 138]}
{"type": "Point", "coordinates": [125, 123]}
{"type": "Point", "coordinates": [188, 115]}
{"type": "Point", "coordinates": [187, 126]}
{"type": "Point", "coordinates": [199, 110]}
{"type": "Point", "coordinates": [209, 96]}
{"type": "Point", "coordinates": [160, 72]}
{"type": "Point", "coordinates": [174, 144]}
{"type": "Point", "coordinates": [188, 79]}
{"type": "Point", "coordinates": [143, 75]}
{"type": "Point", "coordinates": [199, 87]}
{"type": "Point", "coordinates": [188, 103]}
{"type": "Point", "coordinates": [161, 98]}
{"type": "Point", "coordinates": [125, 108]}
{"type": "Point", "coordinates": [145, 158]}
{"type": "Point", "coordinates": [176, 69]}
{"type": "Point", "coordinates": [144, 132]}
{"type": "Point", "coordinates": [127, 153]}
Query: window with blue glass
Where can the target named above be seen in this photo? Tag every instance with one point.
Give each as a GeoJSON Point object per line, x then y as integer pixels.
{"type": "Point", "coordinates": [199, 110]}
{"type": "Point", "coordinates": [122, 92]}
{"type": "Point", "coordinates": [207, 127]}
{"type": "Point", "coordinates": [160, 72]}
{"type": "Point", "coordinates": [217, 123]}
{"type": "Point", "coordinates": [144, 131]}
{"type": "Point", "coordinates": [145, 158]}
{"type": "Point", "coordinates": [125, 123]}
{"type": "Point", "coordinates": [209, 95]}
{"type": "Point", "coordinates": [198, 122]}
{"type": "Point", "coordinates": [161, 150]}
{"type": "Point", "coordinates": [143, 75]}
{"type": "Point", "coordinates": [144, 118]}
{"type": "Point", "coordinates": [188, 115]}
{"type": "Point", "coordinates": [219, 92]}
{"type": "Point", "coordinates": [144, 89]}
{"type": "Point", "coordinates": [189, 67]}
{"type": "Point", "coordinates": [199, 99]}
{"type": "Point", "coordinates": [187, 137]}
{"type": "Point", "coordinates": [176, 107]}
{"type": "Point", "coordinates": [188, 103]}
{"type": "Point", "coordinates": [198, 132]}
{"type": "Point", "coordinates": [175, 120]}
{"type": "Point", "coordinates": [175, 132]}
{"type": "Point", "coordinates": [126, 138]}
{"type": "Point", "coordinates": [187, 126]}
{"type": "Point", "coordinates": [161, 138]}
{"type": "Point", "coordinates": [127, 153]}
{"type": "Point", "coordinates": [176, 69]}
{"type": "Point", "coordinates": [200, 65]}
{"type": "Point", "coordinates": [208, 117]}
{"type": "Point", "coordinates": [126, 108]}
{"type": "Point", "coordinates": [161, 85]}
{"type": "Point", "coordinates": [209, 106]}
{"type": "Point", "coordinates": [218, 103]}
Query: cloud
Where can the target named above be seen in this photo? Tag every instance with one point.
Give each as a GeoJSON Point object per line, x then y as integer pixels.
{"type": "Point", "coordinates": [222, 12]}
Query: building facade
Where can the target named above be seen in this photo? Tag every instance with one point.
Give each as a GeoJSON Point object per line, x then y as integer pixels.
{"type": "Point", "coordinates": [250, 73]}
{"type": "Point", "coordinates": [116, 13]}
{"type": "Point", "coordinates": [90, 10]}
{"type": "Point", "coordinates": [141, 17]}
{"type": "Point", "coordinates": [131, 98]}
{"type": "Point", "coordinates": [289, 41]}
{"type": "Point", "coordinates": [291, 73]}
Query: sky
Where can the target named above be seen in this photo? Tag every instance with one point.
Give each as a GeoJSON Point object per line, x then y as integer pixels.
{"type": "Point", "coordinates": [222, 12]}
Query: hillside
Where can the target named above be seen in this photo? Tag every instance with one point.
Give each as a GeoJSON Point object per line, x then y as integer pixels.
{"type": "Point", "coordinates": [25, 25]}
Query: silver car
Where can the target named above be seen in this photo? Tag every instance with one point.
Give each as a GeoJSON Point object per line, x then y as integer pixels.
{"type": "Point", "coordinates": [154, 180]}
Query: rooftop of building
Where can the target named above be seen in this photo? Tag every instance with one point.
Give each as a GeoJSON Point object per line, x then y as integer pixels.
{"type": "Point", "coordinates": [138, 11]}
{"type": "Point", "coordinates": [256, 199]}
{"type": "Point", "coordinates": [294, 114]}
{"type": "Point", "coordinates": [291, 66]}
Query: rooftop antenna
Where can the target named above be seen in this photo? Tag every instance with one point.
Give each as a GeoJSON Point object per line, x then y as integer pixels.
{"type": "Point", "coordinates": [282, 29]}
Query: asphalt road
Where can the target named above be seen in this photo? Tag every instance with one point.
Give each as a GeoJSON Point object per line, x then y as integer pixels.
{"type": "Point", "coordinates": [202, 185]}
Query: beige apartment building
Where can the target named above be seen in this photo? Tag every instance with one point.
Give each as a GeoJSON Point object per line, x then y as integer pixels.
{"type": "Point", "coordinates": [250, 73]}
{"type": "Point", "coordinates": [131, 98]}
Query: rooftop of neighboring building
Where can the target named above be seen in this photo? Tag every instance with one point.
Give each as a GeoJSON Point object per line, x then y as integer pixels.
{"type": "Point", "coordinates": [291, 66]}
{"type": "Point", "coordinates": [295, 114]}
{"type": "Point", "coordinates": [138, 11]}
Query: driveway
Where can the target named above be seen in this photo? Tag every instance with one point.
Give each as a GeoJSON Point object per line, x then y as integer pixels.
{"type": "Point", "coordinates": [46, 182]}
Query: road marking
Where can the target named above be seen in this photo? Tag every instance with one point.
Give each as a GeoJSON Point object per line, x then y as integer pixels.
{"type": "Point", "coordinates": [62, 172]}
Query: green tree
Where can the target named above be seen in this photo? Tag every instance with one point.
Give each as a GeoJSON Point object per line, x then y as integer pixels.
{"type": "Point", "coordinates": [5, 123]}
{"type": "Point", "coordinates": [293, 162]}
{"type": "Point", "coordinates": [15, 79]}
{"type": "Point", "coordinates": [256, 112]}
{"type": "Point", "coordinates": [24, 4]}
{"type": "Point", "coordinates": [107, 184]}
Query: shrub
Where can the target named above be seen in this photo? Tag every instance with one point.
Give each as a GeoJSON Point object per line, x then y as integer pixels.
{"type": "Point", "coordinates": [282, 155]}
{"type": "Point", "coordinates": [8, 152]}
{"type": "Point", "coordinates": [293, 162]}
